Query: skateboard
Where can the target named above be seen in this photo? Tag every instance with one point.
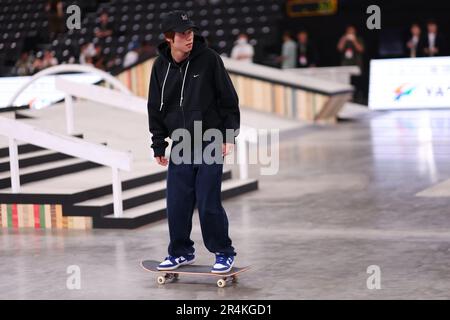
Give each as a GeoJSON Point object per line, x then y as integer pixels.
{"type": "Point", "coordinates": [192, 269]}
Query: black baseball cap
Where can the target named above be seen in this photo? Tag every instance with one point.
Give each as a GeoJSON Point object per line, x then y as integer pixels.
{"type": "Point", "coordinates": [177, 21]}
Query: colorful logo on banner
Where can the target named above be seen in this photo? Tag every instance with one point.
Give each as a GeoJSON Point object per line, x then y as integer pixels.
{"type": "Point", "coordinates": [403, 90]}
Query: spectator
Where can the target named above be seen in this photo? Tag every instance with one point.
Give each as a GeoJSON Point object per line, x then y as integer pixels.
{"type": "Point", "coordinates": [99, 60]}
{"type": "Point", "coordinates": [434, 42]}
{"type": "Point", "coordinates": [87, 53]}
{"type": "Point", "coordinates": [105, 29]}
{"type": "Point", "coordinates": [24, 65]}
{"type": "Point", "coordinates": [242, 50]}
{"type": "Point", "coordinates": [132, 55]}
{"type": "Point", "coordinates": [288, 56]}
{"type": "Point", "coordinates": [307, 53]}
{"type": "Point", "coordinates": [37, 63]}
{"type": "Point", "coordinates": [414, 44]}
{"type": "Point", "coordinates": [351, 48]}
{"type": "Point", "coordinates": [55, 13]}
{"type": "Point", "coordinates": [48, 60]}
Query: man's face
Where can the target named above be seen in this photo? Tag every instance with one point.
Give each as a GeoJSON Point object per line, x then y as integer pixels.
{"type": "Point", "coordinates": [104, 18]}
{"type": "Point", "coordinates": [302, 37]}
{"type": "Point", "coordinates": [351, 30]}
{"type": "Point", "coordinates": [183, 41]}
{"type": "Point", "coordinates": [432, 27]}
{"type": "Point", "coordinates": [415, 30]}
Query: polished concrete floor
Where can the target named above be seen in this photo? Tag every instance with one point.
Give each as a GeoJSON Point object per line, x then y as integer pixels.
{"type": "Point", "coordinates": [365, 192]}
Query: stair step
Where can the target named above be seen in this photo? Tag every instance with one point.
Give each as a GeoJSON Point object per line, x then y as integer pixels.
{"type": "Point", "coordinates": [36, 153]}
{"type": "Point", "coordinates": [33, 158]}
{"type": "Point", "coordinates": [47, 170]}
{"type": "Point", "coordinates": [126, 194]}
{"type": "Point", "coordinates": [26, 148]}
{"type": "Point", "coordinates": [81, 186]}
{"type": "Point", "coordinates": [135, 217]}
{"type": "Point", "coordinates": [156, 210]}
{"type": "Point", "coordinates": [138, 211]}
{"type": "Point", "coordinates": [132, 197]}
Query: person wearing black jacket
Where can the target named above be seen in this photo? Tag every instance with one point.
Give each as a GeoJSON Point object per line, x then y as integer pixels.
{"type": "Point", "coordinates": [414, 44]}
{"type": "Point", "coordinates": [306, 51]}
{"type": "Point", "coordinates": [434, 43]}
{"type": "Point", "coordinates": [189, 85]}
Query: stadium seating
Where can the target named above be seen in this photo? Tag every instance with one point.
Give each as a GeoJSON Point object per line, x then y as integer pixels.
{"type": "Point", "coordinates": [24, 25]}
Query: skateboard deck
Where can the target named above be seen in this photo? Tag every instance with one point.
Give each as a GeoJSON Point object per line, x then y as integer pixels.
{"type": "Point", "coordinates": [192, 269]}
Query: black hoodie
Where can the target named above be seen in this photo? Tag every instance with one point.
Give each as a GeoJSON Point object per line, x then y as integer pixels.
{"type": "Point", "coordinates": [197, 89]}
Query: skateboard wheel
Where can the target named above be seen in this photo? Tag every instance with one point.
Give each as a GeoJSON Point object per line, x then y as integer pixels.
{"type": "Point", "coordinates": [161, 280]}
{"type": "Point", "coordinates": [221, 283]}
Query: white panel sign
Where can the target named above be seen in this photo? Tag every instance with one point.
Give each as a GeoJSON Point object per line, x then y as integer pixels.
{"type": "Point", "coordinates": [409, 83]}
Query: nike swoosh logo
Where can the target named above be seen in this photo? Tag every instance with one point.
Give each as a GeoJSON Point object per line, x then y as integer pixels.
{"type": "Point", "coordinates": [196, 75]}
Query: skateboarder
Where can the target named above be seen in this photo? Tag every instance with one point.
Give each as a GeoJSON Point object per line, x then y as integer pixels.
{"type": "Point", "coordinates": [189, 83]}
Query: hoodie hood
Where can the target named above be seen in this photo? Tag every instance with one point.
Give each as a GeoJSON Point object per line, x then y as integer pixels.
{"type": "Point", "coordinates": [198, 47]}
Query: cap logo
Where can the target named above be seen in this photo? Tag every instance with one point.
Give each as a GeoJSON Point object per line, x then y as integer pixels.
{"type": "Point", "coordinates": [184, 16]}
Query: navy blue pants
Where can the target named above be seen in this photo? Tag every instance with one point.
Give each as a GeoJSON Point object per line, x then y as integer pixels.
{"type": "Point", "coordinates": [196, 184]}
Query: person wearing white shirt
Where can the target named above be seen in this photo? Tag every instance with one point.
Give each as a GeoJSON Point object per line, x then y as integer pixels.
{"type": "Point", "coordinates": [414, 43]}
{"type": "Point", "coordinates": [242, 50]}
{"type": "Point", "coordinates": [288, 52]}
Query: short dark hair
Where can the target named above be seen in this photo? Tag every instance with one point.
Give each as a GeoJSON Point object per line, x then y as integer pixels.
{"type": "Point", "coordinates": [169, 34]}
{"type": "Point", "coordinates": [287, 34]}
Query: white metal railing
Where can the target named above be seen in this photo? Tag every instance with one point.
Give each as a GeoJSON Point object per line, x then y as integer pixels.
{"type": "Point", "coordinates": [98, 94]}
{"type": "Point", "coordinates": [65, 68]}
{"type": "Point", "coordinates": [246, 136]}
{"type": "Point", "coordinates": [117, 160]}
{"type": "Point", "coordinates": [139, 105]}
{"type": "Point", "coordinates": [16, 130]}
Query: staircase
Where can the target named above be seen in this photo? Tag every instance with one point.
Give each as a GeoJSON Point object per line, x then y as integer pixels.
{"type": "Point", "coordinates": [83, 189]}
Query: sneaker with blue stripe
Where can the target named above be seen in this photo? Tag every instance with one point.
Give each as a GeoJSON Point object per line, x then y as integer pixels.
{"type": "Point", "coordinates": [172, 263]}
{"type": "Point", "coordinates": [223, 263]}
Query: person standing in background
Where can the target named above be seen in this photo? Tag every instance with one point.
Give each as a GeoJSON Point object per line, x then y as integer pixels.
{"type": "Point", "coordinates": [434, 42]}
{"type": "Point", "coordinates": [288, 56]}
{"type": "Point", "coordinates": [242, 50]}
{"type": "Point", "coordinates": [307, 53]}
{"type": "Point", "coordinates": [351, 48]}
{"type": "Point", "coordinates": [414, 44]}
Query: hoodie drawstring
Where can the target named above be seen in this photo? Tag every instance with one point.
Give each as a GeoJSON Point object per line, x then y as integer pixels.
{"type": "Point", "coordinates": [164, 84]}
{"type": "Point", "coordinates": [184, 79]}
{"type": "Point", "coordinates": [182, 87]}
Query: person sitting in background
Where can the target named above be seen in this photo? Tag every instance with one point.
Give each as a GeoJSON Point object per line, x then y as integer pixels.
{"type": "Point", "coordinates": [48, 60]}
{"type": "Point", "coordinates": [24, 65]}
{"type": "Point", "coordinates": [105, 28]}
{"type": "Point", "coordinates": [242, 50]}
{"type": "Point", "coordinates": [307, 53]}
{"type": "Point", "coordinates": [43, 60]}
{"type": "Point", "coordinates": [288, 56]}
{"type": "Point", "coordinates": [351, 48]}
{"type": "Point", "coordinates": [414, 44]}
{"type": "Point", "coordinates": [87, 53]}
{"type": "Point", "coordinates": [132, 55]}
{"type": "Point", "coordinates": [434, 42]}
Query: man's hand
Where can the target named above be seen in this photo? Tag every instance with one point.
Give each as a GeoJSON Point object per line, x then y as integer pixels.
{"type": "Point", "coordinates": [162, 161]}
{"type": "Point", "coordinates": [227, 148]}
